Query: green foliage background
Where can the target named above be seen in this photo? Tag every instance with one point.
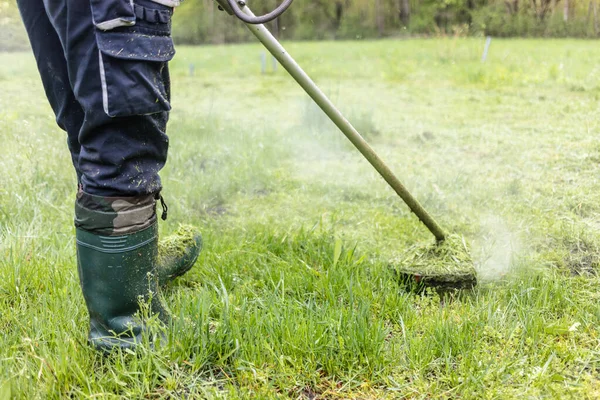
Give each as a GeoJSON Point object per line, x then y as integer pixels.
{"type": "Point", "coordinates": [200, 21]}
{"type": "Point", "coordinates": [12, 33]}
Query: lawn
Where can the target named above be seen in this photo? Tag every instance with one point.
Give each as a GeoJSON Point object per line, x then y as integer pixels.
{"type": "Point", "coordinates": [295, 294]}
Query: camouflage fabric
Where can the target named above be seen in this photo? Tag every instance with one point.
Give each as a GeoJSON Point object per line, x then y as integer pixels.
{"type": "Point", "coordinates": [114, 216]}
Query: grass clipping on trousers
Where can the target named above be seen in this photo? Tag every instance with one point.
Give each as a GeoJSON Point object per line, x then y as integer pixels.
{"type": "Point", "coordinates": [443, 265]}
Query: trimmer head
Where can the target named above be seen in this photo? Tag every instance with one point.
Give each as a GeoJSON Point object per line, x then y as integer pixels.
{"type": "Point", "coordinates": [443, 266]}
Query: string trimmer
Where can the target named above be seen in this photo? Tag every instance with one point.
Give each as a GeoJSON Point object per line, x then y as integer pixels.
{"type": "Point", "coordinates": [446, 263]}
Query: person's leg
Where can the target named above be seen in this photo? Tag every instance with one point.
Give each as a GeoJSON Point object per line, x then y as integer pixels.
{"type": "Point", "coordinates": [52, 65]}
{"type": "Point", "coordinates": [120, 77]}
{"type": "Point", "coordinates": [117, 70]}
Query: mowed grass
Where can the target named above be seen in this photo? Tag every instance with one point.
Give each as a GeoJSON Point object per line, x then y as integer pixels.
{"type": "Point", "coordinates": [294, 295]}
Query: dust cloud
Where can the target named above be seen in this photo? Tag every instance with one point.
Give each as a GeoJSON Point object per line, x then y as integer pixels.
{"type": "Point", "coordinates": [494, 253]}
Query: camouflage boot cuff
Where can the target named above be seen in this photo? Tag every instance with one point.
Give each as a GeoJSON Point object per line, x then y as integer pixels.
{"type": "Point", "coordinates": [114, 216]}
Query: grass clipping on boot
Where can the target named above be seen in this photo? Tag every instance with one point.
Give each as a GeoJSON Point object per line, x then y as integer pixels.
{"type": "Point", "coordinates": [176, 244]}
{"type": "Point", "coordinates": [444, 265]}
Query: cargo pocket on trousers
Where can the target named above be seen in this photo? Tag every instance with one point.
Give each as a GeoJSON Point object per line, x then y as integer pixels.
{"type": "Point", "coordinates": [134, 62]}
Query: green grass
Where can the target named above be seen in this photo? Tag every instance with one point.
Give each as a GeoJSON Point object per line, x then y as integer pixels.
{"type": "Point", "coordinates": [293, 296]}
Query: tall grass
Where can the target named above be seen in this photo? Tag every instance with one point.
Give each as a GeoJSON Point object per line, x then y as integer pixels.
{"type": "Point", "coordinates": [294, 295]}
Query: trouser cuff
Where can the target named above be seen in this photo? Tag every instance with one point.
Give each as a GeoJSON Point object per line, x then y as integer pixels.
{"type": "Point", "coordinates": [114, 216]}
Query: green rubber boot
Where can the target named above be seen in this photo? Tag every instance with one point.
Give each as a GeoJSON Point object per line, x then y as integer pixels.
{"type": "Point", "coordinates": [117, 274]}
{"type": "Point", "coordinates": [178, 253]}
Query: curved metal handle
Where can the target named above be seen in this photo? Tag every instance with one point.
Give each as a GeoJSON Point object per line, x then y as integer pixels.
{"type": "Point", "coordinates": [261, 19]}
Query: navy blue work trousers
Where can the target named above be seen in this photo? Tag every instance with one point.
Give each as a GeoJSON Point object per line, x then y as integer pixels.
{"type": "Point", "coordinates": [104, 68]}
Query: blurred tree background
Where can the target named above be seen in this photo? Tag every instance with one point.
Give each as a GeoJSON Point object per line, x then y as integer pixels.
{"type": "Point", "coordinates": [12, 33]}
{"type": "Point", "coordinates": [199, 21]}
